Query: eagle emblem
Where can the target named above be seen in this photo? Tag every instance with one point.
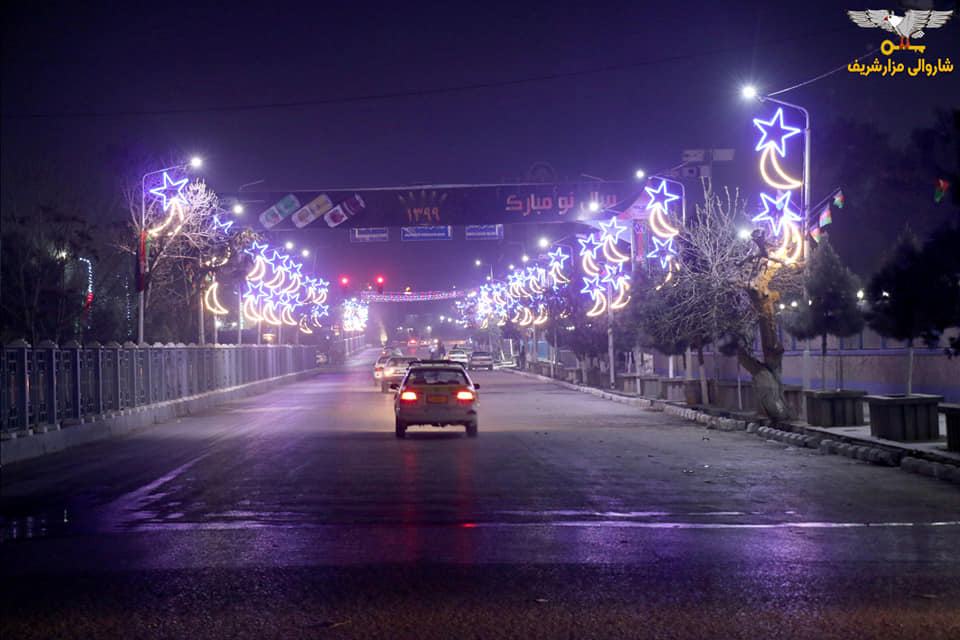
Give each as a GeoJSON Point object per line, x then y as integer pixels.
{"type": "Point", "coordinates": [909, 25]}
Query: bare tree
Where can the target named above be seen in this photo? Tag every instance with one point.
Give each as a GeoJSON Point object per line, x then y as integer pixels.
{"type": "Point", "coordinates": [178, 243]}
{"type": "Point", "coordinates": [724, 290]}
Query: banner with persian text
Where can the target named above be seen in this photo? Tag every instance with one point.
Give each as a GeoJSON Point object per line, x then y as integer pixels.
{"type": "Point", "coordinates": [445, 205]}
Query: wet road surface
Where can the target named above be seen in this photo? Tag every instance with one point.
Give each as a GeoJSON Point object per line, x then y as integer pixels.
{"type": "Point", "coordinates": [298, 514]}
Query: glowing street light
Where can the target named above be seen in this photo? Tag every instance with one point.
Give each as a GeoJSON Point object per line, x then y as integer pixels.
{"type": "Point", "coordinates": [238, 208]}
{"type": "Point", "coordinates": [640, 174]}
{"type": "Point", "coordinates": [544, 243]}
{"type": "Point", "coordinates": [749, 92]}
{"type": "Point", "coordinates": [288, 245]}
{"type": "Point", "coordinates": [196, 162]}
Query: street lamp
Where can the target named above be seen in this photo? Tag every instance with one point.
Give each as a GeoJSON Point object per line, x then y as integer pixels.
{"type": "Point", "coordinates": [196, 162]}
{"type": "Point", "coordinates": [750, 92]}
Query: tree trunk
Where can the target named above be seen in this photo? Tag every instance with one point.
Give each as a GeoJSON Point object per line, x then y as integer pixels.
{"type": "Point", "coordinates": [823, 362]}
{"type": "Point", "coordinates": [767, 374]}
{"type": "Point", "coordinates": [769, 390]}
{"type": "Point", "coordinates": [704, 391]}
{"type": "Point", "coordinates": [909, 367]}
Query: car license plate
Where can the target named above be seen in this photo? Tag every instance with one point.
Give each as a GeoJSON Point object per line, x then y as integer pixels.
{"type": "Point", "coordinates": [437, 399]}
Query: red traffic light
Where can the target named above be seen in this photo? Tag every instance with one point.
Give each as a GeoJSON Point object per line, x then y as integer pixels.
{"type": "Point", "coordinates": [344, 280]}
{"type": "Point", "coordinates": [379, 279]}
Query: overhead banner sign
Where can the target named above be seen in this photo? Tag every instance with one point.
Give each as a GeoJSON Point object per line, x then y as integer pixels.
{"type": "Point", "coordinates": [443, 205]}
{"type": "Point", "coordinates": [280, 211]}
{"type": "Point", "coordinates": [484, 232]}
{"type": "Point", "coordinates": [370, 234]}
{"type": "Point", "coordinates": [408, 234]}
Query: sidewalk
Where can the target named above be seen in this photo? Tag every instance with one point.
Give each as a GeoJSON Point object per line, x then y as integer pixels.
{"type": "Point", "coordinates": [926, 458]}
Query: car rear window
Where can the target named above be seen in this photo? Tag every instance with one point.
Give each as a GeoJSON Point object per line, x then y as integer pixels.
{"type": "Point", "coordinates": [400, 362]}
{"type": "Point", "coordinates": [481, 354]}
{"type": "Point", "coordinates": [436, 376]}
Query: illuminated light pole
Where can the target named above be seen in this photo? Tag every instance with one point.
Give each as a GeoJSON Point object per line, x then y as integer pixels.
{"type": "Point", "coordinates": [194, 162]}
{"type": "Point", "coordinates": [750, 92]}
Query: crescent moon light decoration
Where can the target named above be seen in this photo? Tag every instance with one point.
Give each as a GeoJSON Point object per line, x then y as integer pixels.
{"type": "Point", "coordinates": [777, 211]}
{"type": "Point", "coordinates": [259, 270]}
{"type": "Point", "coordinates": [210, 300]}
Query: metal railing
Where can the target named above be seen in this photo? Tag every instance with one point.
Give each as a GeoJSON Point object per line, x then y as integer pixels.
{"type": "Point", "coordinates": [49, 384]}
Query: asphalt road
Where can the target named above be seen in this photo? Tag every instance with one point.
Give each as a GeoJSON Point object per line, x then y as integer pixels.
{"type": "Point", "coordinates": [297, 514]}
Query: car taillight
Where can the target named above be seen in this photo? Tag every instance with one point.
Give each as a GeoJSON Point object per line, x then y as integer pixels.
{"type": "Point", "coordinates": [388, 372]}
{"type": "Point", "coordinates": [408, 396]}
{"type": "Point", "coordinates": [465, 395]}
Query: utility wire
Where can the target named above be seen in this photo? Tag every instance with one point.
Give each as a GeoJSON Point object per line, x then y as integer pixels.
{"type": "Point", "coordinates": [824, 75]}
{"type": "Point", "coordinates": [414, 93]}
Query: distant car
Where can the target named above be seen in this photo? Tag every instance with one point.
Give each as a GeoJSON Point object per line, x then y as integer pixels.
{"type": "Point", "coordinates": [393, 370]}
{"type": "Point", "coordinates": [378, 368]}
{"type": "Point", "coordinates": [481, 360]}
{"type": "Point", "coordinates": [437, 395]}
{"type": "Point", "coordinates": [322, 358]}
{"type": "Point", "coordinates": [457, 355]}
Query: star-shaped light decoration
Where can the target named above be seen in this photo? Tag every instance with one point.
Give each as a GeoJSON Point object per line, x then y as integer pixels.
{"type": "Point", "coordinates": [611, 273]}
{"type": "Point", "coordinates": [591, 286]}
{"type": "Point", "coordinates": [663, 249]}
{"type": "Point", "coordinates": [589, 245]}
{"type": "Point", "coordinates": [611, 230]}
{"type": "Point", "coordinates": [781, 211]}
{"type": "Point", "coordinates": [257, 249]}
{"type": "Point", "coordinates": [255, 290]}
{"type": "Point", "coordinates": [774, 132]}
{"type": "Point", "coordinates": [169, 184]}
{"type": "Point", "coordinates": [557, 257]}
{"type": "Point", "coordinates": [660, 197]}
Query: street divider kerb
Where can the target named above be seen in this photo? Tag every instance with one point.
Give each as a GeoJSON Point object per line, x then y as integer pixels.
{"type": "Point", "coordinates": [797, 435]}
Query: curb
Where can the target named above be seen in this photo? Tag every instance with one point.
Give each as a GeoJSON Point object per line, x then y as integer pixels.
{"type": "Point", "coordinates": [798, 436]}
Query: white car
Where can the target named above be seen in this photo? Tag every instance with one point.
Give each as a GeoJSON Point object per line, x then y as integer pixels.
{"type": "Point", "coordinates": [456, 355]}
{"type": "Point", "coordinates": [481, 360]}
{"type": "Point", "coordinates": [436, 395]}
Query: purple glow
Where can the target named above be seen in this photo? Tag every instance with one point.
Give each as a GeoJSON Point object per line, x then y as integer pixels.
{"type": "Point", "coordinates": [780, 212]}
{"type": "Point", "coordinates": [557, 258]}
{"type": "Point", "coordinates": [591, 287]}
{"type": "Point", "coordinates": [612, 273]}
{"type": "Point", "coordinates": [168, 185]}
{"type": "Point", "coordinates": [663, 249]}
{"type": "Point", "coordinates": [660, 197]}
{"type": "Point", "coordinates": [611, 229]}
{"type": "Point", "coordinates": [589, 245]}
{"type": "Point", "coordinates": [777, 133]}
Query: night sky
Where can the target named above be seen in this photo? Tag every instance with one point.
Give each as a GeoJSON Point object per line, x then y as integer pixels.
{"type": "Point", "coordinates": [340, 95]}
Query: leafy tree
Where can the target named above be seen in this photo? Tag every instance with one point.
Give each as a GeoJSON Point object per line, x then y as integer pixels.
{"type": "Point", "coordinates": [912, 297]}
{"type": "Point", "coordinates": [831, 292]}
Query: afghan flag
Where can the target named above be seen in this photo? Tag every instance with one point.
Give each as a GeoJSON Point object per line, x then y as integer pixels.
{"type": "Point", "coordinates": [838, 199]}
{"type": "Point", "coordinates": [815, 234]}
{"type": "Point", "coordinates": [825, 217]}
{"type": "Point", "coordinates": [941, 189]}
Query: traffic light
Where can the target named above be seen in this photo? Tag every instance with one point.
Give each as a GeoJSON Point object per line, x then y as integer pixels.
{"type": "Point", "coordinates": [344, 283]}
{"type": "Point", "coordinates": [379, 284]}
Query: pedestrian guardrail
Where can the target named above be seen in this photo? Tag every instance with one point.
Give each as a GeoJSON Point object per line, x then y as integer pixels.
{"type": "Point", "coordinates": [49, 384]}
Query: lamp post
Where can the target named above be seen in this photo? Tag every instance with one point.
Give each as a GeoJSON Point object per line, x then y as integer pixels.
{"type": "Point", "coordinates": [194, 162]}
{"type": "Point", "coordinates": [750, 92]}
